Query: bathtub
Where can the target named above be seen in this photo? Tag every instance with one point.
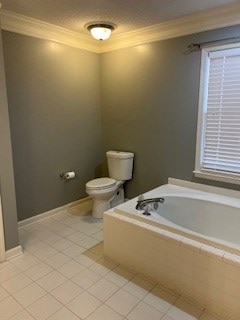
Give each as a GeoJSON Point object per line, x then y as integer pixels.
{"type": "Point", "coordinates": [206, 217]}
{"type": "Point", "coordinates": [189, 244]}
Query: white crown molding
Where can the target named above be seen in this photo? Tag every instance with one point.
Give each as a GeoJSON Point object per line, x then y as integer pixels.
{"type": "Point", "coordinates": [190, 24]}
{"type": "Point", "coordinates": [17, 23]}
{"type": "Point", "coordinates": [203, 21]}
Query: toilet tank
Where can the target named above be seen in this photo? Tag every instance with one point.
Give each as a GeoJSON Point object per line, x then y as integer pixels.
{"type": "Point", "coordinates": [120, 165]}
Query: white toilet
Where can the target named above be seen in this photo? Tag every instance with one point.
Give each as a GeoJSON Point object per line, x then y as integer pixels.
{"type": "Point", "coordinates": [108, 192]}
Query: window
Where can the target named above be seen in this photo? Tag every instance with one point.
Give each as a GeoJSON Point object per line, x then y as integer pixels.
{"type": "Point", "coordinates": [218, 134]}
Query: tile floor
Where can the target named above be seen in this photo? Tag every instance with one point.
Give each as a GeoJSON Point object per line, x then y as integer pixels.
{"type": "Point", "coordinates": [63, 275]}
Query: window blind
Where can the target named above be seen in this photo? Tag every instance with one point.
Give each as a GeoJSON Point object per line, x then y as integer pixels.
{"type": "Point", "coordinates": [221, 143]}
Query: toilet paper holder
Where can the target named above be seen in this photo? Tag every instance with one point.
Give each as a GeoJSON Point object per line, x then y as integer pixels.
{"type": "Point", "coordinates": [67, 175]}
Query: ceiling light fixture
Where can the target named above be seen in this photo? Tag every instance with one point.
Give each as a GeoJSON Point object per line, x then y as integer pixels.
{"type": "Point", "coordinates": [101, 31]}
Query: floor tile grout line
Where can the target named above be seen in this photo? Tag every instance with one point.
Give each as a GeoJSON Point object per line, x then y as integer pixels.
{"type": "Point", "coordinates": [104, 302]}
{"type": "Point", "coordinates": [12, 278]}
{"type": "Point", "coordinates": [86, 267]}
{"type": "Point", "coordinates": [58, 234]}
{"type": "Point", "coordinates": [23, 308]}
{"type": "Point", "coordinates": [66, 306]}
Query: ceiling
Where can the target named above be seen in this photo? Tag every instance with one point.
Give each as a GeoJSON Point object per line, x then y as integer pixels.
{"type": "Point", "coordinates": [128, 15]}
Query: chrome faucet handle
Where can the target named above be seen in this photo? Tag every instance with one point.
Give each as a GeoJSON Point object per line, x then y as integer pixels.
{"type": "Point", "coordinates": [141, 204]}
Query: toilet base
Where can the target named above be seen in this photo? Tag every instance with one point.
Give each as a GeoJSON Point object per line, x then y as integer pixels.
{"type": "Point", "coordinates": [99, 206]}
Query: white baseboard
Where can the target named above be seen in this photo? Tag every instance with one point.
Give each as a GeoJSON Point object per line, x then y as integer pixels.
{"type": "Point", "coordinates": [13, 253]}
{"type": "Point", "coordinates": [52, 212]}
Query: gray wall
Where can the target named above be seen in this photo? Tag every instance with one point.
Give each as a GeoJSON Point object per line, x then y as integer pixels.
{"type": "Point", "coordinates": [54, 105]}
{"type": "Point", "coordinates": [7, 188]}
{"type": "Point", "coordinates": [149, 106]}
{"type": "Point", "coordinates": [149, 98]}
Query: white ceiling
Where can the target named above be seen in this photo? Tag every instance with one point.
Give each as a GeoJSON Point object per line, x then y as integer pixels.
{"type": "Point", "coordinates": [128, 15]}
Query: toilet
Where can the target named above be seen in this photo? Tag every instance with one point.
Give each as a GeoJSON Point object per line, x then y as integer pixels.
{"type": "Point", "coordinates": [108, 192]}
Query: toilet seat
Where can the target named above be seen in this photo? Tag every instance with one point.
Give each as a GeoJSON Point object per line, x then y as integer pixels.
{"type": "Point", "coordinates": [101, 184]}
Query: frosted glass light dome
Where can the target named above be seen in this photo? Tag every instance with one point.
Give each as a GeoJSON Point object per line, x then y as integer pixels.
{"type": "Point", "coordinates": [101, 31]}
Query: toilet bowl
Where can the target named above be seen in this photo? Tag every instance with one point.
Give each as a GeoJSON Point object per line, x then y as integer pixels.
{"type": "Point", "coordinates": [102, 191]}
{"type": "Point", "coordinates": [108, 192]}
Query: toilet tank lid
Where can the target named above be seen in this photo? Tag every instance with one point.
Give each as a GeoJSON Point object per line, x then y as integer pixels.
{"type": "Point", "coordinates": [120, 154]}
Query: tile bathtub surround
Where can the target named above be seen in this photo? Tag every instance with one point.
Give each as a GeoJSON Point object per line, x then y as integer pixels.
{"type": "Point", "coordinates": [206, 276]}
{"type": "Point", "coordinates": [61, 277]}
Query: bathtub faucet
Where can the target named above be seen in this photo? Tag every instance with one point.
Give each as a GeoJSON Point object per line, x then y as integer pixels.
{"type": "Point", "coordinates": [142, 204]}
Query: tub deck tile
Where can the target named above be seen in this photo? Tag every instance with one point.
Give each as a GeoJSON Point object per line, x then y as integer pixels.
{"type": "Point", "coordinates": [232, 259]}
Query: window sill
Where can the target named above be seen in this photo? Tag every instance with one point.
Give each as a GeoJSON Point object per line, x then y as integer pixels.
{"type": "Point", "coordinates": [217, 177]}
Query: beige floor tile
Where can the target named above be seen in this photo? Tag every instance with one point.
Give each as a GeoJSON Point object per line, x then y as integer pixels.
{"type": "Point", "coordinates": [88, 243]}
{"type": "Point", "coordinates": [167, 318]}
{"type": "Point", "coordinates": [98, 249]}
{"type": "Point", "coordinates": [4, 265]}
{"type": "Point", "coordinates": [52, 238]}
{"type": "Point", "coordinates": [51, 281]}
{"type": "Point", "coordinates": [85, 227]}
{"type": "Point", "coordinates": [86, 278]}
{"type": "Point", "coordinates": [44, 307]}
{"type": "Point", "coordinates": [69, 221]}
{"type": "Point", "coordinates": [122, 302]}
{"type": "Point", "coordinates": [71, 268]}
{"type": "Point", "coordinates": [61, 244]}
{"type": "Point", "coordinates": [87, 259]}
{"type": "Point", "coordinates": [182, 310]}
{"type": "Point", "coordinates": [98, 235]}
{"type": "Point", "coordinates": [119, 276]}
{"type": "Point", "coordinates": [45, 253]}
{"type": "Point", "coordinates": [66, 232]}
{"type": "Point", "coordinates": [144, 311]}
{"type": "Point", "coordinates": [38, 271]}
{"type": "Point", "coordinates": [25, 261]}
{"type": "Point", "coordinates": [46, 235]}
{"type": "Point", "coordinates": [104, 313]}
{"type": "Point", "coordinates": [66, 292]}
{"type": "Point", "coordinates": [29, 294]}
{"type": "Point", "coordinates": [59, 216]}
{"type": "Point", "coordinates": [84, 305]}
{"type": "Point", "coordinates": [103, 266]}
{"type": "Point", "coordinates": [103, 289]}
{"type": "Point", "coordinates": [35, 245]}
{"type": "Point", "coordinates": [8, 272]}
{"type": "Point", "coordinates": [90, 229]}
{"type": "Point", "coordinates": [74, 251]}
{"type": "Point", "coordinates": [3, 293]}
{"type": "Point", "coordinates": [139, 287]}
{"type": "Point", "coordinates": [54, 226]}
{"type": "Point", "coordinates": [57, 260]}
{"type": "Point", "coordinates": [16, 283]}
{"type": "Point", "coordinates": [9, 307]}
{"type": "Point", "coordinates": [63, 314]}
{"type": "Point", "coordinates": [22, 315]}
{"type": "Point", "coordinates": [160, 299]}
{"type": "Point", "coordinates": [77, 237]}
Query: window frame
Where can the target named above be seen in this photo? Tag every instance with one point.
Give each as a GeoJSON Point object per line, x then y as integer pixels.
{"type": "Point", "coordinates": [199, 172]}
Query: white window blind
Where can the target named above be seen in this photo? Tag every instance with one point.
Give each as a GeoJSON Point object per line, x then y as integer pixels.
{"type": "Point", "coordinates": [221, 114]}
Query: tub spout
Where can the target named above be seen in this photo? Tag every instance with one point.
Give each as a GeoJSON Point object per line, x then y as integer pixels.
{"type": "Point", "coordinates": [141, 204]}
